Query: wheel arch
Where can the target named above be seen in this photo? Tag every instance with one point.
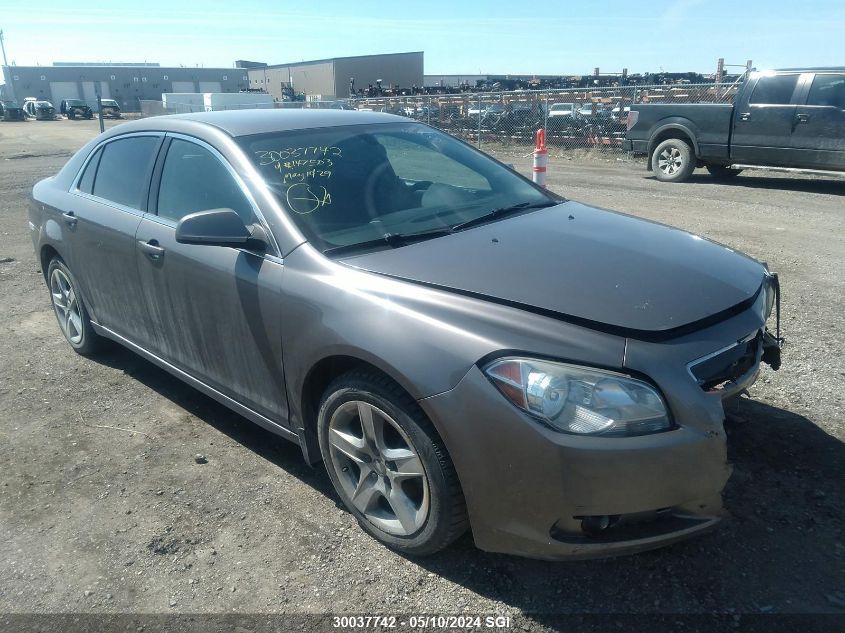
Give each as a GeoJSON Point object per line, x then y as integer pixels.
{"type": "Point", "coordinates": [45, 254]}
{"type": "Point", "coordinates": [672, 130]}
{"type": "Point", "coordinates": [318, 378]}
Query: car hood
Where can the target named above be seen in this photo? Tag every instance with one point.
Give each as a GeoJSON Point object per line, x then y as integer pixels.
{"type": "Point", "coordinates": [595, 267]}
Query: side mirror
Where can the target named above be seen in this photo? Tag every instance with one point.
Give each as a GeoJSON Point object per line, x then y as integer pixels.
{"type": "Point", "coordinates": [215, 227]}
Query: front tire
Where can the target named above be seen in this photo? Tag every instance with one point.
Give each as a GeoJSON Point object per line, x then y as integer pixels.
{"type": "Point", "coordinates": [70, 311]}
{"type": "Point", "coordinates": [673, 161]}
{"type": "Point", "coordinates": [388, 465]}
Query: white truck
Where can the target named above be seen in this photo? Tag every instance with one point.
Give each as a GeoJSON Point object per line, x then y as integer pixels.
{"type": "Point", "coordinates": [236, 101]}
{"type": "Point", "coordinates": [177, 102]}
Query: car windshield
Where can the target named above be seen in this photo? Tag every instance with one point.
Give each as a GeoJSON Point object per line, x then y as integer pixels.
{"type": "Point", "coordinates": [108, 102]}
{"type": "Point", "coordinates": [43, 104]}
{"type": "Point", "coordinates": [358, 184]}
{"type": "Point", "coordinates": [75, 102]}
{"type": "Point", "coordinates": [562, 107]}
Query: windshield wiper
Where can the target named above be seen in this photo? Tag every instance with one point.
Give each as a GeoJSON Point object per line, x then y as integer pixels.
{"type": "Point", "coordinates": [501, 212]}
{"type": "Point", "coordinates": [393, 240]}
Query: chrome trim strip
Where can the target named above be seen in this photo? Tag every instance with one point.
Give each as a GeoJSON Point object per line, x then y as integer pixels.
{"type": "Point", "coordinates": [109, 203]}
{"type": "Point", "coordinates": [222, 398]}
{"type": "Point", "coordinates": [790, 170]}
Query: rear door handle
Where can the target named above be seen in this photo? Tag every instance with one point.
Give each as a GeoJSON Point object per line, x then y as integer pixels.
{"type": "Point", "coordinates": [70, 218]}
{"type": "Point", "coordinates": [744, 116]}
{"type": "Point", "coordinates": [151, 249]}
{"type": "Point", "coordinates": [802, 118]}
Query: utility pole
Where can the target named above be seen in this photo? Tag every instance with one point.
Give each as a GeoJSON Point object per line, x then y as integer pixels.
{"type": "Point", "coordinates": [6, 67]}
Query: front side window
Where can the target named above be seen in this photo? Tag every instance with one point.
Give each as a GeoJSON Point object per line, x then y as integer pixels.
{"type": "Point", "coordinates": [774, 90]}
{"type": "Point", "coordinates": [350, 185]}
{"type": "Point", "coordinates": [124, 167]}
{"type": "Point", "coordinates": [193, 179]}
{"type": "Point", "coordinates": [827, 90]}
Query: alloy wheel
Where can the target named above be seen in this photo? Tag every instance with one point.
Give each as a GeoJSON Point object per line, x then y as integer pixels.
{"type": "Point", "coordinates": [378, 468]}
{"type": "Point", "coordinates": [67, 307]}
{"type": "Point", "coordinates": [670, 160]}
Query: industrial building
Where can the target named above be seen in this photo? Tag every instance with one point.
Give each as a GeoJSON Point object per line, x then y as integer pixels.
{"type": "Point", "coordinates": [128, 84]}
{"type": "Point", "coordinates": [329, 79]}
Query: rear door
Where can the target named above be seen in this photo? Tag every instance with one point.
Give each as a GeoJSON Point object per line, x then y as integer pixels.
{"type": "Point", "coordinates": [214, 311]}
{"type": "Point", "coordinates": [763, 121]}
{"type": "Point", "coordinates": [109, 198]}
{"type": "Point", "coordinates": [818, 138]}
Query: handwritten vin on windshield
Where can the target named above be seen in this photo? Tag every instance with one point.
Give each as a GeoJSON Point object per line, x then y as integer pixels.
{"type": "Point", "coordinates": [305, 170]}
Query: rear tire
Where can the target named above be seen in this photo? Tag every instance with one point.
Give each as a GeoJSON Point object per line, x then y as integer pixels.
{"type": "Point", "coordinates": [722, 172]}
{"type": "Point", "coordinates": [70, 311]}
{"type": "Point", "coordinates": [388, 465]}
{"type": "Point", "coordinates": [673, 160]}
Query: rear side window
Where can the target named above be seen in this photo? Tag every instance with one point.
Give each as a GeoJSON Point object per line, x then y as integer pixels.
{"type": "Point", "coordinates": [775, 90]}
{"type": "Point", "coordinates": [827, 90]}
{"type": "Point", "coordinates": [193, 179]}
{"type": "Point", "coordinates": [123, 170]}
{"type": "Point", "coordinates": [86, 183]}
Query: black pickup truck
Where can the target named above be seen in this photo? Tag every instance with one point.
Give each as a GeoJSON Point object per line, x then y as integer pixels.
{"type": "Point", "coordinates": [790, 120]}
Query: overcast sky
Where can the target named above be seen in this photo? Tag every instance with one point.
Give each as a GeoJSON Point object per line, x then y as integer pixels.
{"type": "Point", "coordinates": [491, 36]}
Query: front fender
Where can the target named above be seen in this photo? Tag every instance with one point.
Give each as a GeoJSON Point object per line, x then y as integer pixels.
{"type": "Point", "coordinates": [425, 339]}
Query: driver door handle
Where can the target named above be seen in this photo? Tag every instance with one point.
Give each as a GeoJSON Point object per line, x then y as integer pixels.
{"type": "Point", "coordinates": [802, 118]}
{"type": "Point", "coordinates": [151, 249]}
{"type": "Point", "coordinates": [69, 218]}
{"type": "Point", "coordinates": [744, 116]}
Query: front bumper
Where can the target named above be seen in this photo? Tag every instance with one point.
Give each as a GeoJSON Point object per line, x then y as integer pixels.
{"type": "Point", "coordinates": [529, 488]}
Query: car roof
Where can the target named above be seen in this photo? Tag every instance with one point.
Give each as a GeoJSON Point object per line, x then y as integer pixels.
{"type": "Point", "coordinates": [818, 69]}
{"type": "Point", "coordinates": [262, 121]}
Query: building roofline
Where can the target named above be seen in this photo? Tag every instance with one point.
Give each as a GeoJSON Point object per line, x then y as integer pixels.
{"type": "Point", "coordinates": [42, 68]}
{"type": "Point", "coordinates": [334, 59]}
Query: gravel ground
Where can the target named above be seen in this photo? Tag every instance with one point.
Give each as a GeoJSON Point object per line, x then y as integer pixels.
{"type": "Point", "coordinates": [106, 508]}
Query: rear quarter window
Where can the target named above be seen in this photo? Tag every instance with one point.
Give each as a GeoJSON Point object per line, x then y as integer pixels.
{"type": "Point", "coordinates": [86, 183]}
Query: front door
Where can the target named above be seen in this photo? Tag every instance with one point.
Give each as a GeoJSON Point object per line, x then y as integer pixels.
{"type": "Point", "coordinates": [214, 310]}
{"type": "Point", "coordinates": [819, 128]}
{"type": "Point", "coordinates": [763, 122]}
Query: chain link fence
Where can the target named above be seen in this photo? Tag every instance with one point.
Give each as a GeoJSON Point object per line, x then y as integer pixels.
{"type": "Point", "coordinates": [574, 119]}
{"type": "Point", "coordinates": [594, 119]}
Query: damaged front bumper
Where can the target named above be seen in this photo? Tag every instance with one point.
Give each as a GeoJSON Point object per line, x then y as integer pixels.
{"type": "Point", "coordinates": [535, 492]}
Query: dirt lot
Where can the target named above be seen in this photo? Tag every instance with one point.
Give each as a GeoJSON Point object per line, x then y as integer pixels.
{"type": "Point", "coordinates": [103, 507]}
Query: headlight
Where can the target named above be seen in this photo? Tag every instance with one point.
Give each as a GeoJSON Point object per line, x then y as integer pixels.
{"type": "Point", "coordinates": [581, 400]}
{"type": "Point", "coordinates": [770, 292]}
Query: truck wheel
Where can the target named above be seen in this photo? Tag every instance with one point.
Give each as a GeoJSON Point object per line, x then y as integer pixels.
{"type": "Point", "coordinates": [722, 172]}
{"type": "Point", "coordinates": [673, 160]}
